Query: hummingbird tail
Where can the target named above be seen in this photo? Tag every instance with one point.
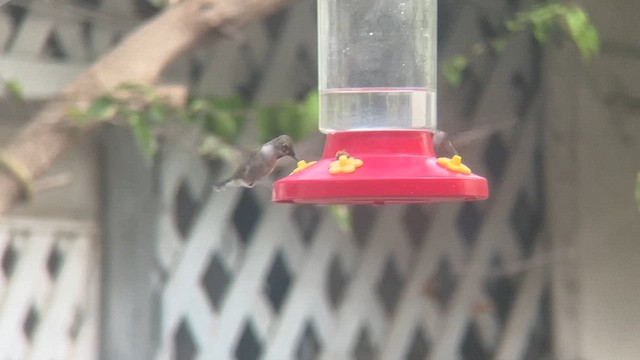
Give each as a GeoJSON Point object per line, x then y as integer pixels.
{"type": "Point", "coordinates": [229, 183]}
{"type": "Point", "coordinates": [221, 185]}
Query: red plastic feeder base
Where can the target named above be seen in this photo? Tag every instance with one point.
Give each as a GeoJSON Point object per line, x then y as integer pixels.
{"type": "Point", "coordinates": [397, 167]}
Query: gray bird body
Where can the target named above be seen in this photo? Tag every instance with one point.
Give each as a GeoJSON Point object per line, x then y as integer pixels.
{"type": "Point", "coordinates": [442, 143]}
{"type": "Point", "coordinates": [259, 164]}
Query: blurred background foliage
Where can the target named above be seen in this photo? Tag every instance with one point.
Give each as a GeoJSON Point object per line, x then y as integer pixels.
{"type": "Point", "coordinates": [551, 20]}
{"type": "Point", "coordinates": [221, 119]}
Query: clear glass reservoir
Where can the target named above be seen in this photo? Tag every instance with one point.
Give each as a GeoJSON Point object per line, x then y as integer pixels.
{"type": "Point", "coordinates": [377, 64]}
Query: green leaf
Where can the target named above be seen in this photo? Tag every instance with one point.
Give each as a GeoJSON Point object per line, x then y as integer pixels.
{"type": "Point", "coordinates": [103, 108]}
{"type": "Point", "coordinates": [14, 89]}
{"type": "Point", "coordinates": [223, 124]}
{"type": "Point", "coordinates": [515, 25]}
{"type": "Point", "coordinates": [542, 30]}
{"type": "Point", "coordinates": [310, 113]}
{"type": "Point", "coordinates": [237, 107]}
{"type": "Point", "coordinates": [157, 112]}
{"type": "Point", "coordinates": [576, 19]}
{"type": "Point", "coordinates": [454, 69]}
{"type": "Point", "coordinates": [499, 44]}
{"type": "Point", "coordinates": [223, 117]}
{"type": "Point", "coordinates": [297, 120]}
{"type": "Point", "coordinates": [210, 146]}
{"type": "Point", "coordinates": [543, 15]}
{"type": "Point", "coordinates": [545, 18]}
{"type": "Point", "coordinates": [235, 103]}
{"type": "Point", "coordinates": [638, 190]}
{"type": "Point", "coordinates": [342, 215]}
{"type": "Point", "coordinates": [143, 133]}
{"type": "Point", "coordinates": [267, 123]}
{"type": "Point", "coordinates": [199, 105]}
{"type": "Point", "coordinates": [289, 120]}
{"type": "Point", "coordinates": [583, 32]}
{"type": "Point", "coordinates": [76, 114]}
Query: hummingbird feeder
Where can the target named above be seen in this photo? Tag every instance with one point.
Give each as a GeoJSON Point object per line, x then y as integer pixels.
{"type": "Point", "coordinates": [377, 79]}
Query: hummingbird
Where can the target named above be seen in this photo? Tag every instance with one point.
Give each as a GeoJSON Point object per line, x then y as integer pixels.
{"type": "Point", "coordinates": [259, 164]}
{"type": "Point", "coordinates": [442, 143]}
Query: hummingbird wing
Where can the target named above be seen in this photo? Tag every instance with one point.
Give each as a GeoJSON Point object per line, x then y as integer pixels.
{"type": "Point", "coordinates": [450, 141]}
{"type": "Point", "coordinates": [258, 165]}
{"type": "Point", "coordinates": [467, 137]}
{"type": "Point", "coordinates": [243, 176]}
{"type": "Point", "coordinates": [255, 168]}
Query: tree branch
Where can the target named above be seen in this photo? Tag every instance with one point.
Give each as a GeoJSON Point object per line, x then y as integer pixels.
{"type": "Point", "coordinates": [140, 58]}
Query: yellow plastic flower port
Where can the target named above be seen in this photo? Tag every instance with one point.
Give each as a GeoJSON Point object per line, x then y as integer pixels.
{"type": "Point", "coordinates": [344, 165]}
{"type": "Point", "coordinates": [302, 165]}
{"type": "Point", "coordinates": [454, 164]}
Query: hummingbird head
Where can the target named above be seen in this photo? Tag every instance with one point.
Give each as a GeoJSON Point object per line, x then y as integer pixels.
{"type": "Point", "coordinates": [283, 146]}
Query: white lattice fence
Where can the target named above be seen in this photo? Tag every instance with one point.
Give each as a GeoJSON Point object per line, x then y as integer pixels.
{"type": "Point", "coordinates": [48, 290]}
{"type": "Point", "coordinates": [47, 44]}
{"type": "Point", "coordinates": [50, 274]}
{"type": "Point", "coordinates": [253, 280]}
{"type": "Point", "coordinates": [243, 278]}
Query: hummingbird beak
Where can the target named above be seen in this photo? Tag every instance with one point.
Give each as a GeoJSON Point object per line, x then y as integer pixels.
{"type": "Point", "coordinates": [293, 154]}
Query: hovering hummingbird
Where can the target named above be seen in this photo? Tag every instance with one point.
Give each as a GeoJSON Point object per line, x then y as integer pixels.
{"type": "Point", "coordinates": [442, 143]}
{"type": "Point", "coordinates": [259, 164]}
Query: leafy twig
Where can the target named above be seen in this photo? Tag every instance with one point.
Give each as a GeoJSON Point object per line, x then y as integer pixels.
{"type": "Point", "coordinates": [342, 215]}
{"type": "Point", "coordinates": [297, 120]}
{"type": "Point", "coordinates": [542, 21]}
{"type": "Point", "coordinates": [147, 113]}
